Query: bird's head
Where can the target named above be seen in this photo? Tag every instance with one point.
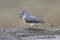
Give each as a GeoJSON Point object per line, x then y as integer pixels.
{"type": "Point", "coordinates": [24, 13]}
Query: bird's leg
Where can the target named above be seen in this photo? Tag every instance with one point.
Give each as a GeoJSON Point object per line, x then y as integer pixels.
{"type": "Point", "coordinates": [35, 26]}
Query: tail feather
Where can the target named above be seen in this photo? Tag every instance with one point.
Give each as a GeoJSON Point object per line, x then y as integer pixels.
{"type": "Point", "coordinates": [49, 24]}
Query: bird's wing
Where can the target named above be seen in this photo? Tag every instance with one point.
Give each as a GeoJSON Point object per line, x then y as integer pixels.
{"type": "Point", "coordinates": [32, 19]}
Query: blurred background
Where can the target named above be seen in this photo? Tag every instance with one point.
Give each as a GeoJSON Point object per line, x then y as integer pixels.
{"type": "Point", "coordinates": [48, 10]}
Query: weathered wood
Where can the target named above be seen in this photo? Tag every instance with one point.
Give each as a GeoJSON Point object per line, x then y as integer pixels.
{"type": "Point", "coordinates": [26, 32]}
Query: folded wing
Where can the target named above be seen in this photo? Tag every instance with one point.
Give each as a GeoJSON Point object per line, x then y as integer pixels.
{"type": "Point", "coordinates": [32, 19]}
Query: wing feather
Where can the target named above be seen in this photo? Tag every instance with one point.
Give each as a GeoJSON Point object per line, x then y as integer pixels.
{"type": "Point", "coordinates": [32, 19]}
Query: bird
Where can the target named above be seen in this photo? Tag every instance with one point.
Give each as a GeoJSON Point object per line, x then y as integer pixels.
{"type": "Point", "coordinates": [31, 20]}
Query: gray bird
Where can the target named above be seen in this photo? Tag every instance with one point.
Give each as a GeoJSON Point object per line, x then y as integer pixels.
{"type": "Point", "coordinates": [30, 20]}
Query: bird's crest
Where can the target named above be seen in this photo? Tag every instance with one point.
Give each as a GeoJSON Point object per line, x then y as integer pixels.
{"type": "Point", "coordinates": [25, 12]}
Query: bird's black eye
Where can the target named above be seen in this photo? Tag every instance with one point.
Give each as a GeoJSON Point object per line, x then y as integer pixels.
{"type": "Point", "coordinates": [22, 13]}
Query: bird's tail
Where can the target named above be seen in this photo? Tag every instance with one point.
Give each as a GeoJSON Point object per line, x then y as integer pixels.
{"type": "Point", "coordinates": [49, 24]}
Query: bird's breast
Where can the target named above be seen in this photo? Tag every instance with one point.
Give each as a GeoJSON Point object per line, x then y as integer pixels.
{"type": "Point", "coordinates": [24, 20]}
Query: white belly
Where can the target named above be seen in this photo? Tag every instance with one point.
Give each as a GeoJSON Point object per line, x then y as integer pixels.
{"type": "Point", "coordinates": [24, 20]}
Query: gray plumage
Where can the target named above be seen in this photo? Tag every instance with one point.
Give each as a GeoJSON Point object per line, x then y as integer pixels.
{"type": "Point", "coordinates": [28, 18]}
